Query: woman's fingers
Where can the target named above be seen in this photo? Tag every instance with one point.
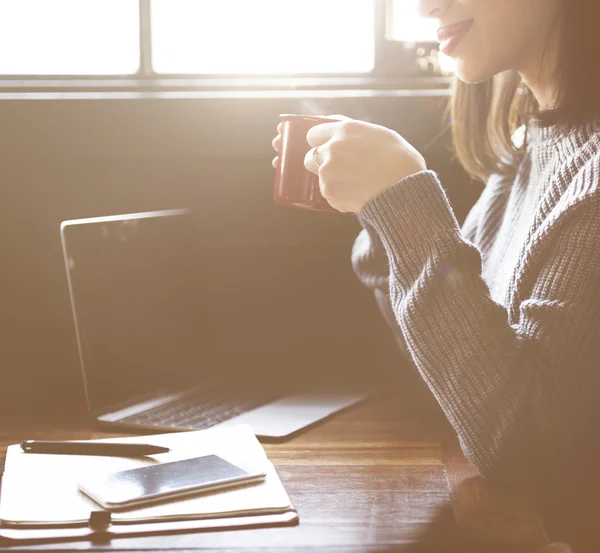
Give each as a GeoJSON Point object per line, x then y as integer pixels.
{"type": "Point", "coordinates": [312, 162]}
{"type": "Point", "coordinates": [318, 135]}
{"type": "Point", "coordinates": [277, 143]}
{"type": "Point", "coordinates": [277, 140]}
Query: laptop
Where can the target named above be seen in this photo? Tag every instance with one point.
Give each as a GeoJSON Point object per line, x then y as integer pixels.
{"type": "Point", "coordinates": [171, 334]}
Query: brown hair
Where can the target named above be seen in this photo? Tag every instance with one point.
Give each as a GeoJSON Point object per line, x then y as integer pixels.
{"type": "Point", "coordinates": [486, 115]}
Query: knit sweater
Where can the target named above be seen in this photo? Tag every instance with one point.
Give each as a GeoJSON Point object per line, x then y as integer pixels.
{"type": "Point", "coordinates": [502, 317]}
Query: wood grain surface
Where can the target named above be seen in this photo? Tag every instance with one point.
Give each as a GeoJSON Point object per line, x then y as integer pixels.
{"type": "Point", "coordinates": [372, 478]}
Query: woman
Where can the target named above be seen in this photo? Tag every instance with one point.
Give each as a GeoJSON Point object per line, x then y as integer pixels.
{"type": "Point", "coordinates": [501, 318]}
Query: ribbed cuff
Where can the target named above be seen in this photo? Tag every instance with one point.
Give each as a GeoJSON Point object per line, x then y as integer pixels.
{"type": "Point", "coordinates": [413, 219]}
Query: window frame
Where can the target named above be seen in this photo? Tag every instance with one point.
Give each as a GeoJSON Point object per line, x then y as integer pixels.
{"type": "Point", "coordinates": [398, 65]}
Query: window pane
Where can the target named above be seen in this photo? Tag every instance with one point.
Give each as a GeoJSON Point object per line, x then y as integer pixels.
{"type": "Point", "coordinates": [408, 26]}
{"type": "Point", "coordinates": [69, 37]}
{"type": "Point", "coordinates": [263, 36]}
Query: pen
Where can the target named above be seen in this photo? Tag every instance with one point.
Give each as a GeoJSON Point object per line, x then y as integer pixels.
{"type": "Point", "coordinates": [106, 449]}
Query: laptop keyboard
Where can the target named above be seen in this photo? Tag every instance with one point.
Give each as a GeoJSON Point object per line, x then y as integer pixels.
{"type": "Point", "coordinates": [200, 410]}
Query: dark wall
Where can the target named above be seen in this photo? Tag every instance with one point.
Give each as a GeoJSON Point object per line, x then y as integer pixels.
{"type": "Point", "coordinates": [64, 159]}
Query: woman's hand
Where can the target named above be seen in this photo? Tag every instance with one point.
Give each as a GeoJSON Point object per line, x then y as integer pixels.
{"type": "Point", "coordinates": [277, 140]}
{"type": "Point", "coordinates": [356, 160]}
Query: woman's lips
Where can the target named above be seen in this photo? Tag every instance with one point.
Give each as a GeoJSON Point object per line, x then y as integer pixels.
{"type": "Point", "coordinates": [450, 35]}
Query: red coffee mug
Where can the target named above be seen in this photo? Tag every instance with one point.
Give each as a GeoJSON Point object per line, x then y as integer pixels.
{"type": "Point", "coordinates": [295, 186]}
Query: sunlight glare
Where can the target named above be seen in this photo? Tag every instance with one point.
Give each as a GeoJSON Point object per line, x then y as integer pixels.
{"type": "Point", "coordinates": [69, 37]}
{"type": "Point", "coordinates": [409, 26]}
{"type": "Point", "coordinates": [263, 36]}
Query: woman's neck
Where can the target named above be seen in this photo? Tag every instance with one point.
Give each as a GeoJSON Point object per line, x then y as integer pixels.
{"type": "Point", "coordinates": [540, 72]}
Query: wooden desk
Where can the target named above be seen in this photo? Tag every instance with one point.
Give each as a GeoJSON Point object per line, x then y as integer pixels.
{"type": "Point", "coordinates": [370, 479]}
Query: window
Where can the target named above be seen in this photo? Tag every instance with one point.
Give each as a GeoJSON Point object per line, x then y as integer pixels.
{"type": "Point", "coordinates": [263, 36]}
{"type": "Point", "coordinates": [158, 40]}
{"type": "Point", "coordinates": [69, 37]}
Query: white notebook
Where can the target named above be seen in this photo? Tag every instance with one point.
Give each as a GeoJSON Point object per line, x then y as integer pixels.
{"type": "Point", "coordinates": [41, 490]}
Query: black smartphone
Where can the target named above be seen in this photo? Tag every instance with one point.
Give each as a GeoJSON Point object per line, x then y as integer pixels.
{"type": "Point", "coordinates": [134, 487]}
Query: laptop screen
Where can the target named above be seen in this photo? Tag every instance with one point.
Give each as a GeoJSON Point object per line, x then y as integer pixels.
{"type": "Point", "coordinates": [165, 301]}
{"type": "Point", "coordinates": [137, 296]}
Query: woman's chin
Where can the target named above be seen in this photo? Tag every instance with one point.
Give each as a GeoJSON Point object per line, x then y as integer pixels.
{"type": "Point", "coordinates": [470, 73]}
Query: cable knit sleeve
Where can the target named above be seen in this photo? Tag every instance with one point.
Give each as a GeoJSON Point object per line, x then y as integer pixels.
{"type": "Point", "coordinates": [369, 258]}
{"type": "Point", "coordinates": [516, 387]}
{"type": "Point", "coordinates": [370, 263]}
